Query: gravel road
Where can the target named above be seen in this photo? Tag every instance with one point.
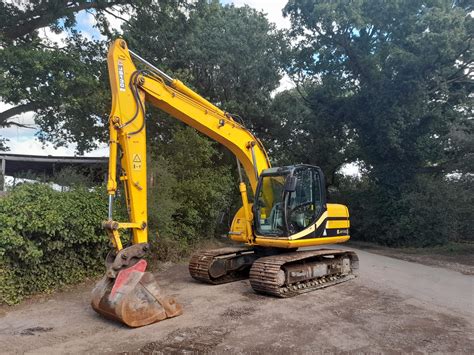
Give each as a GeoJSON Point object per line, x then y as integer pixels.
{"type": "Point", "coordinates": [393, 306]}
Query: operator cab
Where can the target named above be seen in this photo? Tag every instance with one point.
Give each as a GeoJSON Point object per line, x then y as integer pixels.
{"type": "Point", "coordinates": [289, 200]}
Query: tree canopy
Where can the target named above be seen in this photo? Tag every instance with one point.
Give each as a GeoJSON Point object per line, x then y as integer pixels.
{"type": "Point", "coordinates": [230, 55]}
{"type": "Point", "coordinates": [398, 72]}
{"type": "Point", "coordinates": [397, 76]}
{"type": "Point", "coordinates": [385, 85]}
{"type": "Point", "coordinates": [64, 84]}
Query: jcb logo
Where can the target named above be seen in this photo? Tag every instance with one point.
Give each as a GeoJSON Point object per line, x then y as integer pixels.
{"type": "Point", "coordinates": [121, 75]}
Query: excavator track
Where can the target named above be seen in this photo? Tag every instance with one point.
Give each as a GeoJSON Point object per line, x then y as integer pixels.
{"type": "Point", "coordinates": [201, 264]}
{"type": "Point", "coordinates": [270, 274]}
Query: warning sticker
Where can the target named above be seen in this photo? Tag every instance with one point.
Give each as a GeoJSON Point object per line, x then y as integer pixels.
{"type": "Point", "coordinates": [137, 162]}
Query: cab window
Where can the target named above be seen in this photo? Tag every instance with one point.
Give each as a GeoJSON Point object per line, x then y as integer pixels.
{"type": "Point", "coordinates": [305, 203]}
{"type": "Point", "coordinates": [270, 218]}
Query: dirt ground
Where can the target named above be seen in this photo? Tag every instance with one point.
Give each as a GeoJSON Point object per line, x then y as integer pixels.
{"type": "Point", "coordinates": [393, 306]}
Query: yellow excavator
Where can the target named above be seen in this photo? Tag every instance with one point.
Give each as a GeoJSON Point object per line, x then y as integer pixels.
{"type": "Point", "coordinates": [289, 210]}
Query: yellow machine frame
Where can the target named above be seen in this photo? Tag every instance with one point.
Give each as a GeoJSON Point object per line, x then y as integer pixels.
{"type": "Point", "coordinates": [130, 89]}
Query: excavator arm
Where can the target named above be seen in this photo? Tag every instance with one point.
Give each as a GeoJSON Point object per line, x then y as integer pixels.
{"type": "Point", "coordinates": [131, 88]}
{"type": "Point", "coordinates": [127, 284]}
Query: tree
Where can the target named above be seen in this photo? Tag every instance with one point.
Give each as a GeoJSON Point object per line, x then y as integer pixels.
{"type": "Point", "coordinates": [398, 74]}
{"type": "Point", "coordinates": [230, 55]}
{"type": "Point", "coordinates": [400, 67]}
{"type": "Point", "coordinates": [64, 85]}
{"type": "Point", "coordinates": [188, 190]}
{"type": "Point", "coordinates": [17, 22]}
{"type": "Point", "coordinates": [66, 88]}
{"type": "Point", "coordinates": [304, 131]}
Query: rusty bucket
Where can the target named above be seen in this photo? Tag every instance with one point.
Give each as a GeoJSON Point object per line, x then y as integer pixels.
{"type": "Point", "coordinates": [133, 297]}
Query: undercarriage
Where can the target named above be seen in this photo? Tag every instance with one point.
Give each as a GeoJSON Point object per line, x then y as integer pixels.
{"type": "Point", "coordinates": [276, 272]}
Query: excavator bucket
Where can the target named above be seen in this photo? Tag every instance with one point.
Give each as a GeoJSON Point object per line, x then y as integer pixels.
{"type": "Point", "coordinates": [133, 297]}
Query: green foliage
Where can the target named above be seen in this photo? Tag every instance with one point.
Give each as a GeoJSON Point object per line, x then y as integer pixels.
{"type": "Point", "coordinates": [189, 188]}
{"type": "Point", "coordinates": [66, 83]}
{"type": "Point", "coordinates": [427, 213]}
{"type": "Point", "coordinates": [21, 20]}
{"type": "Point", "coordinates": [3, 146]}
{"type": "Point", "coordinates": [393, 78]}
{"type": "Point", "coordinates": [67, 177]}
{"type": "Point", "coordinates": [67, 88]}
{"type": "Point", "coordinates": [382, 83]}
{"type": "Point", "coordinates": [49, 239]}
{"type": "Point", "coordinates": [229, 55]}
{"type": "Point", "coordinates": [304, 132]}
{"type": "Point", "coordinates": [70, 176]}
{"type": "Point", "coordinates": [398, 72]}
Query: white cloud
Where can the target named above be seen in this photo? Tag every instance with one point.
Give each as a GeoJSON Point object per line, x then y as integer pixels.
{"type": "Point", "coordinates": [14, 132]}
{"type": "Point", "coordinates": [102, 151]}
{"type": "Point", "coordinates": [23, 140]}
{"type": "Point", "coordinates": [285, 84]}
{"type": "Point", "coordinates": [47, 35]}
{"type": "Point", "coordinates": [86, 22]}
{"type": "Point", "coordinates": [88, 18]}
{"type": "Point", "coordinates": [273, 9]}
{"type": "Point", "coordinates": [29, 144]}
{"type": "Point", "coordinates": [26, 118]}
{"type": "Point", "coordinates": [351, 169]}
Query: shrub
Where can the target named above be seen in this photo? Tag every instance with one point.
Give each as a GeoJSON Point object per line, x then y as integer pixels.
{"type": "Point", "coordinates": [426, 213]}
{"type": "Point", "coordinates": [49, 239]}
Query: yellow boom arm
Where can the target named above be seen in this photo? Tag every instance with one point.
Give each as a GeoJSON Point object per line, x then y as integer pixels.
{"type": "Point", "coordinates": [130, 89]}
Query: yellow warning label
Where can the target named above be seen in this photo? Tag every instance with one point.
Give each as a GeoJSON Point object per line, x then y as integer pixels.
{"type": "Point", "coordinates": [137, 162]}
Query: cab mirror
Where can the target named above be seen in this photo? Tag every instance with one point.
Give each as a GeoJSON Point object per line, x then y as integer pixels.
{"type": "Point", "coordinates": [290, 184]}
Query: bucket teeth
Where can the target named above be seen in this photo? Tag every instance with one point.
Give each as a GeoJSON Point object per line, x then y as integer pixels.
{"type": "Point", "coordinates": [133, 298]}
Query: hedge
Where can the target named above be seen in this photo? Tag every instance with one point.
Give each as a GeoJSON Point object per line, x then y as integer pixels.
{"type": "Point", "coordinates": [49, 239]}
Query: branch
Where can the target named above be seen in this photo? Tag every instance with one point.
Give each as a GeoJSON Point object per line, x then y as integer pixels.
{"type": "Point", "coordinates": [45, 46]}
{"type": "Point", "coordinates": [21, 125]}
{"type": "Point", "coordinates": [5, 115]}
{"type": "Point", "coordinates": [354, 60]}
{"type": "Point", "coordinates": [116, 16]}
{"type": "Point", "coordinates": [303, 96]}
{"type": "Point", "coordinates": [44, 17]}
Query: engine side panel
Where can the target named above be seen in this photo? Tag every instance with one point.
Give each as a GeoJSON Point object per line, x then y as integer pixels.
{"type": "Point", "coordinates": [331, 228]}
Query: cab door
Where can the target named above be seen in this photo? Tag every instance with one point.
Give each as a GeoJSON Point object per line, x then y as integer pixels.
{"type": "Point", "coordinates": [305, 201]}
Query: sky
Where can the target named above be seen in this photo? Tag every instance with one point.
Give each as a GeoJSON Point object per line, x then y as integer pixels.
{"type": "Point", "coordinates": [273, 9]}
{"type": "Point", "coordinates": [23, 140]}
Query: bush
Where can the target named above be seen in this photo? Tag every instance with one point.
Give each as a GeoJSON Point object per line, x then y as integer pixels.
{"type": "Point", "coordinates": [430, 211]}
{"type": "Point", "coordinates": [49, 239]}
